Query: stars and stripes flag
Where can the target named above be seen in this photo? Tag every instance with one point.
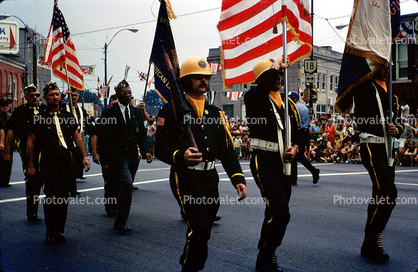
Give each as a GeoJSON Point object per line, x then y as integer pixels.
{"type": "Point", "coordinates": [60, 52]}
{"type": "Point", "coordinates": [246, 29]}
{"type": "Point", "coordinates": [373, 27]}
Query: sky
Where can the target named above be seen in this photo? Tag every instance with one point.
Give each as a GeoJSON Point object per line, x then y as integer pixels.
{"type": "Point", "coordinates": [93, 23]}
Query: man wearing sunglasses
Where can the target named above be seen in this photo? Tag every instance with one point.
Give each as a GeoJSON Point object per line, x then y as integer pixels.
{"type": "Point", "coordinates": [19, 125]}
{"type": "Point", "coordinates": [193, 176]}
{"type": "Point", "coordinates": [120, 132]}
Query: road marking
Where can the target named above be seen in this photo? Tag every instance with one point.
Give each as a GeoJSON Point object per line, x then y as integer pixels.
{"type": "Point", "coordinates": [220, 173]}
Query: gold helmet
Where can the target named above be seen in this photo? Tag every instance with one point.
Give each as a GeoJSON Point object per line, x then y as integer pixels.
{"type": "Point", "coordinates": [195, 66]}
{"type": "Point", "coordinates": [261, 66]}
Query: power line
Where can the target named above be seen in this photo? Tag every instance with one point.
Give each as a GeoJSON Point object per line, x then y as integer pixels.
{"type": "Point", "coordinates": [141, 23]}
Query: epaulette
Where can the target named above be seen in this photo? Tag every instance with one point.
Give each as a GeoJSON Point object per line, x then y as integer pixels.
{"type": "Point", "coordinates": [295, 111]}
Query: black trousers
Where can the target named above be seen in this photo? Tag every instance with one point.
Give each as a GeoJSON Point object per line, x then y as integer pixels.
{"type": "Point", "coordinates": [384, 191]}
{"type": "Point", "coordinates": [56, 175]}
{"type": "Point", "coordinates": [275, 187]}
{"type": "Point", "coordinates": [5, 169]}
{"type": "Point", "coordinates": [199, 199]}
{"type": "Point", "coordinates": [33, 183]}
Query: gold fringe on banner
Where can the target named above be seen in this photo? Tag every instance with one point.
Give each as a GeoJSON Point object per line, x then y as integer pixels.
{"type": "Point", "coordinates": [170, 12]}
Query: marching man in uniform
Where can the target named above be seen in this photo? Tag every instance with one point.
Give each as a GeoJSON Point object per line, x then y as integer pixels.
{"type": "Point", "coordinates": [264, 103]}
{"type": "Point", "coordinates": [50, 140]}
{"type": "Point", "coordinates": [19, 124]}
{"type": "Point", "coordinates": [193, 174]}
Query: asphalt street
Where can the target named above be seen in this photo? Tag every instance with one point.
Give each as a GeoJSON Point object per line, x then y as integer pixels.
{"type": "Point", "coordinates": [324, 234]}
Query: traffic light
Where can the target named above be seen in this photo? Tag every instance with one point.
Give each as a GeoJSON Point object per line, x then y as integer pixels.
{"type": "Point", "coordinates": [314, 95]}
{"type": "Point", "coordinates": [305, 96]}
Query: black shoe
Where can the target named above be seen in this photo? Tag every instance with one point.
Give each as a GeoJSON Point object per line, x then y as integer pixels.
{"type": "Point", "coordinates": [267, 262]}
{"type": "Point", "coordinates": [122, 229]}
{"type": "Point", "coordinates": [315, 176]}
{"type": "Point", "coordinates": [75, 193]}
{"type": "Point", "coordinates": [82, 178]}
{"type": "Point", "coordinates": [60, 238]}
{"type": "Point", "coordinates": [51, 239]}
{"type": "Point", "coordinates": [217, 218]}
{"type": "Point", "coordinates": [372, 248]}
{"type": "Point", "coordinates": [135, 188]}
{"type": "Point", "coordinates": [33, 217]}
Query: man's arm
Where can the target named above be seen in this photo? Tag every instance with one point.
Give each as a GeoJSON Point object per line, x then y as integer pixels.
{"type": "Point", "coordinates": [8, 145]}
{"type": "Point", "coordinates": [30, 151]}
{"type": "Point", "coordinates": [80, 144]}
{"type": "Point", "coordinates": [1, 139]}
{"type": "Point", "coordinates": [96, 157]}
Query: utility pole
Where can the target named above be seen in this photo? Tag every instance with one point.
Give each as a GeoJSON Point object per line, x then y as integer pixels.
{"type": "Point", "coordinates": [311, 84]}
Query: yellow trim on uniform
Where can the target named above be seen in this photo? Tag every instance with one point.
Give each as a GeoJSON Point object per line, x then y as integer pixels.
{"type": "Point", "coordinates": [237, 174]}
{"type": "Point", "coordinates": [187, 221]}
{"type": "Point", "coordinates": [174, 156]}
{"type": "Point", "coordinates": [277, 99]}
{"type": "Point", "coordinates": [267, 200]}
{"type": "Point", "coordinates": [377, 182]}
{"type": "Point", "coordinates": [229, 140]}
{"type": "Point", "coordinates": [39, 161]}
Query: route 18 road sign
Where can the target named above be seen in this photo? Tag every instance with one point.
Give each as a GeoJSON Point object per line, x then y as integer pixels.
{"type": "Point", "coordinates": [310, 66]}
{"type": "Point", "coordinates": [9, 38]}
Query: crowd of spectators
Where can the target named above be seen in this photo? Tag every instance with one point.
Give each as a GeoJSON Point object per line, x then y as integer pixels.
{"type": "Point", "coordinates": [332, 140]}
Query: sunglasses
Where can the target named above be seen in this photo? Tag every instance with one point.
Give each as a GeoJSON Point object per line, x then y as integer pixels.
{"type": "Point", "coordinates": [125, 92]}
{"type": "Point", "coordinates": [34, 95]}
{"type": "Point", "coordinates": [200, 77]}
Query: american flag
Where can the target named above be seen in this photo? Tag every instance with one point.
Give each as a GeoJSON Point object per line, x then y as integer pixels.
{"type": "Point", "coordinates": [60, 52]}
{"type": "Point", "coordinates": [246, 29]}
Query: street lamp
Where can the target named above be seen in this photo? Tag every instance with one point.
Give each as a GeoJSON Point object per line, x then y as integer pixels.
{"type": "Point", "coordinates": [34, 57]}
{"type": "Point", "coordinates": [105, 60]}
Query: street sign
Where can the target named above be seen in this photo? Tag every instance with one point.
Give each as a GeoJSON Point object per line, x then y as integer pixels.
{"type": "Point", "coordinates": [309, 78]}
{"type": "Point", "coordinates": [9, 38]}
{"type": "Point", "coordinates": [311, 66]}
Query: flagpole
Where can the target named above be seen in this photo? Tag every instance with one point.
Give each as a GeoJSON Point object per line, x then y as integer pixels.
{"type": "Point", "coordinates": [70, 96]}
{"type": "Point", "coordinates": [390, 158]}
{"type": "Point", "coordinates": [146, 82]}
{"type": "Point", "coordinates": [286, 166]}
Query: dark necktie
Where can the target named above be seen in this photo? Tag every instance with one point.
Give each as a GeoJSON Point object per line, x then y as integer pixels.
{"type": "Point", "coordinates": [127, 116]}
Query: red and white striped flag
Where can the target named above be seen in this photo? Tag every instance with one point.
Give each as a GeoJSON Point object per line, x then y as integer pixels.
{"type": "Point", "coordinates": [246, 29]}
{"type": "Point", "coordinates": [234, 96]}
{"type": "Point", "coordinates": [60, 52]}
{"type": "Point", "coordinates": [214, 68]}
{"type": "Point", "coordinates": [99, 87]}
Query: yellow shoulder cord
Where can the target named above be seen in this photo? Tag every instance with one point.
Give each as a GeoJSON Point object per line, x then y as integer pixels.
{"type": "Point", "coordinates": [229, 141]}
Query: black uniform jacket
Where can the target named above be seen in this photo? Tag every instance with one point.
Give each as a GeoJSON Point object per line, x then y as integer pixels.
{"type": "Point", "coordinates": [117, 141]}
{"type": "Point", "coordinates": [367, 111]}
{"type": "Point", "coordinates": [21, 121]}
{"type": "Point", "coordinates": [210, 136]}
{"type": "Point", "coordinates": [262, 120]}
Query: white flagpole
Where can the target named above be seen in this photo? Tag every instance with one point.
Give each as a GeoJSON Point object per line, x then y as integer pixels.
{"type": "Point", "coordinates": [286, 166]}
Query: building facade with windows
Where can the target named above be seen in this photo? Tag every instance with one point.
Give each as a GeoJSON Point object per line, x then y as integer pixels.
{"type": "Point", "coordinates": [405, 63]}
{"type": "Point", "coordinates": [16, 70]}
{"type": "Point", "coordinates": [327, 77]}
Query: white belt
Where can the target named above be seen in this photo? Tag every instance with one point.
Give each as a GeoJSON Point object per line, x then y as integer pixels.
{"type": "Point", "coordinates": [372, 140]}
{"type": "Point", "coordinates": [203, 166]}
{"type": "Point", "coordinates": [264, 145]}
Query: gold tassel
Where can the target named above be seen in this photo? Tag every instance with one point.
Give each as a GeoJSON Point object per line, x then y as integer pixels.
{"type": "Point", "coordinates": [170, 12]}
{"type": "Point", "coordinates": [275, 26]}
